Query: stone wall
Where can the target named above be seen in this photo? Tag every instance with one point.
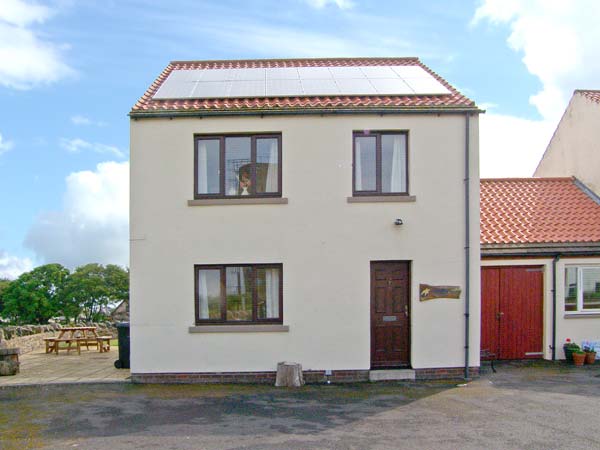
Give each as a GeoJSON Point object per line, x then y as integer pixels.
{"type": "Point", "coordinates": [31, 337]}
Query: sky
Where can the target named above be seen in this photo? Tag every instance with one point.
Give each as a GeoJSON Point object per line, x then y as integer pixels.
{"type": "Point", "coordinates": [70, 71]}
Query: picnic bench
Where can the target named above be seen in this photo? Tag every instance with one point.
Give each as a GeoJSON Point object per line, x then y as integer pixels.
{"type": "Point", "coordinates": [75, 338]}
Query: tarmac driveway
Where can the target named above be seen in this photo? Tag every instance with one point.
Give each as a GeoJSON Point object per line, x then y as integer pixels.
{"type": "Point", "coordinates": [534, 406]}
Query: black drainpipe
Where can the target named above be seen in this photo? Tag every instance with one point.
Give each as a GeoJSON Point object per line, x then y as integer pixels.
{"type": "Point", "coordinates": [467, 245]}
{"type": "Point", "coordinates": [554, 261]}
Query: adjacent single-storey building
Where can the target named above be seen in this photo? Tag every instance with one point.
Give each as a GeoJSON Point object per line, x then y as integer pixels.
{"type": "Point", "coordinates": [540, 268]}
{"type": "Point", "coordinates": [321, 211]}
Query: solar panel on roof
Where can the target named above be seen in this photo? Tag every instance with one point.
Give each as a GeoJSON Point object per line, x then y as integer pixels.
{"type": "Point", "coordinates": [247, 88]}
{"type": "Point", "coordinates": [410, 72]}
{"type": "Point", "coordinates": [319, 73]}
{"type": "Point", "coordinates": [249, 75]}
{"type": "Point", "coordinates": [320, 87]}
{"type": "Point", "coordinates": [378, 72]}
{"type": "Point", "coordinates": [284, 88]}
{"type": "Point", "coordinates": [282, 73]}
{"type": "Point", "coordinates": [176, 90]}
{"type": "Point", "coordinates": [356, 86]}
{"type": "Point", "coordinates": [299, 81]}
{"type": "Point", "coordinates": [346, 72]}
{"type": "Point", "coordinates": [386, 85]}
{"type": "Point", "coordinates": [212, 89]}
{"type": "Point", "coordinates": [426, 86]}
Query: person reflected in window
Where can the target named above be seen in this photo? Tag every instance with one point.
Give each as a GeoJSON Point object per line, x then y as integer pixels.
{"type": "Point", "coordinates": [245, 181]}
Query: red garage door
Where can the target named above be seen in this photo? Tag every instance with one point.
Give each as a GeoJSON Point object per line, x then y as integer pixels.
{"type": "Point", "coordinates": [512, 311]}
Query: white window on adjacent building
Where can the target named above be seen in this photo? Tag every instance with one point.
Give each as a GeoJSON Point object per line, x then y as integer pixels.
{"type": "Point", "coordinates": [582, 289]}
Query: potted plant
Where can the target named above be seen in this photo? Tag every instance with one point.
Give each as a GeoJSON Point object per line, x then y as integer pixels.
{"type": "Point", "coordinates": [578, 357]}
{"type": "Point", "coordinates": [569, 347]}
{"type": "Point", "coordinates": [590, 355]}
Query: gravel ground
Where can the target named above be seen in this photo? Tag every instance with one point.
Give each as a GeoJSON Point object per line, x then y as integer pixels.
{"type": "Point", "coordinates": [537, 405]}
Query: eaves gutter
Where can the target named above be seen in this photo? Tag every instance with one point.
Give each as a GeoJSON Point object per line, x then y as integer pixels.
{"type": "Point", "coordinates": [542, 249]}
{"type": "Point", "coordinates": [303, 111]}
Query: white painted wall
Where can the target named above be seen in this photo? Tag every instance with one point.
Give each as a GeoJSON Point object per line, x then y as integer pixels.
{"type": "Point", "coordinates": [575, 147]}
{"type": "Point", "coordinates": [325, 244]}
{"type": "Point", "coordinates": [577, 327]}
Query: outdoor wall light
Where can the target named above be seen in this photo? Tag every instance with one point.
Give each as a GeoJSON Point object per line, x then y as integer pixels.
{"type": "Point", "coordinates": [398, 222]}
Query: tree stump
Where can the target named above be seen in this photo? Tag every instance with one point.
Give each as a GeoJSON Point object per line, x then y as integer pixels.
{"type": "Point", "coordinates": [289, 374]}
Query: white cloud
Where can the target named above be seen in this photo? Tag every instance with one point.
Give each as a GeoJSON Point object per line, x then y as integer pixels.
{"type": "Point", "coordinates": [560, 43]}
{"type": "Point", "coordinates": [5, 145]}
{"type": "Point", "coordinates": [26, 60]}
{"type": "Point", "coordinates": [13, 266]}
{"type": "Point", "coordinates": [83, 120]}
{"type": "Point", "coordinates": [511, 146]}
{"type": "Point", "coordinates": [22, 13]}
{"type": "Point", "coordinates": [76, 145]}
{"type": "Point", "coordinates": [319, 4]}
{"type": "Point", "coordinates": [93, 225]}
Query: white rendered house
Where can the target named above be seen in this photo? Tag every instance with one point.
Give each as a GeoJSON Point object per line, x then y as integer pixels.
{"type": "Point", "coordinates": [322, 211]}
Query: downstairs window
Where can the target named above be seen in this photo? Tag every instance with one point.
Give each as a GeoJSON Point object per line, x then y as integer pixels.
{"type": "Point", "coordinates": [241, 293]}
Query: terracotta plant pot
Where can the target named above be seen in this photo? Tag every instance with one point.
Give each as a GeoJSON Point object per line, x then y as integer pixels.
{"type": "Point", "coordinates": [590, 357]}
{"type": "Point", "coordinates": [579, 358]}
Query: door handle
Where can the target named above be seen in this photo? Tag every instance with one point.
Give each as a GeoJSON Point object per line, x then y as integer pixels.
{"type": "Point", "coordinates": [406, 310]}
{"type": "Point", "coordinates": [499, 315]}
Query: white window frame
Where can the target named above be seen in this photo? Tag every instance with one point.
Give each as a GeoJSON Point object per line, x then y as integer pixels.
{"type": "Point", "coordinates": [580, 269]}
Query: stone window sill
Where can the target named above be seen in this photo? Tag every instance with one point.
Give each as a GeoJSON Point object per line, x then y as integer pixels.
{"type": "Point", "coordinates": [594, 315]}
{"type": "Point", "coordinates": [382, 199]}
{"type": "Point", "coordinates": [239, 329]}
{"type": "Point", "coordinates": [239, 201]}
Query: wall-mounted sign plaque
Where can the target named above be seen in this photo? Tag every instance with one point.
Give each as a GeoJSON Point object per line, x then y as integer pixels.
{"type": "Point", "coordinates": [429, 292]}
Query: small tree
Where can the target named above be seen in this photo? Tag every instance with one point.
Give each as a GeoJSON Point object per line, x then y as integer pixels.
{"type": "Point", "coordinates": [91, 288]}
{"type": "Point", "coordinates": [4, 282]}
{"type": "Point", "coordinates": [33, 297]}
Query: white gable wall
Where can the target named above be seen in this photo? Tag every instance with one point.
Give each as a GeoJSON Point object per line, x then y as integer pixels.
{"type": "Point", "coordinates": [574, 150]}
{"type": "Point", "coordinates": [324, 243]}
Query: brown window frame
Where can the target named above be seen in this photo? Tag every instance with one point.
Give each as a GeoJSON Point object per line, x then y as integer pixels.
{"type": "Point", "coordinates": [378, 158]}
{"type": "Point", "coordinates": [223, 288]}
{"type": "Point", "coordinates": [221, 137]}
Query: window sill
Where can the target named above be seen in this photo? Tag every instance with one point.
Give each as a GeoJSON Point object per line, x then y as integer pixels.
{"type": "Point", "coordinates": [239, 201]}
{"type": "Point", "coordinates": [382, 199]}
{"type": "Point", "coordinates": [268, 328]}
{"type": "Point", "coordinates": [589, 315]}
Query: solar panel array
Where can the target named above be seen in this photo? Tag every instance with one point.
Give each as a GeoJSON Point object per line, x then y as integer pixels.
{"type": "Point", "coordinates": [299, 82]}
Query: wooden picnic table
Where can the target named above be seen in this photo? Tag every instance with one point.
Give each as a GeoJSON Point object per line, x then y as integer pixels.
{"type": "Point", "coordinates": [75, 338]}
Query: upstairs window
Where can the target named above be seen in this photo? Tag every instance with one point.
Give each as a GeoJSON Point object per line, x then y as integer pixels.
{"type": "Point", "coordinates": [380, 163]}
{"type": "Point", "coordinates": [582, 289]}
{"type": "Point", "coordinates": [237, 166]}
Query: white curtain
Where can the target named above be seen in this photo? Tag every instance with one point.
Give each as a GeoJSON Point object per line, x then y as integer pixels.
{"type": "Point", "coordinates": [202, 168]}
{"type": "Point", "coordinates": [358, 167]}
{"type": "Point", "coordinates": [272, 172]}
{"type": "Point", "coordinates": [272, 288]}
{"type": "Point", "coordinates": [398, 176]}
{"type": "Point", "coordinates": [203, 295]}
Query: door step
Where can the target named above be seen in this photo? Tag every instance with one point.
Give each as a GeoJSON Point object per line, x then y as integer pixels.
{"type": "Point", "coordinates": [391, 375]}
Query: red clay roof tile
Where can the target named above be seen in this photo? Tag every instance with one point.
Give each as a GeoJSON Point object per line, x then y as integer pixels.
{"type": "Point", "coordinates": [147, 105]}
{"type": "Point", "coordinates": [593, 95]}
{"type": "Point", "coordinates": [537, 210]}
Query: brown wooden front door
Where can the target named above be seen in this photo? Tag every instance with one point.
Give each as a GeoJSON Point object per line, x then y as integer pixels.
{"type": "Point", "coordinates": [512, 316]}
{"type": "Point", "coordinates": [390, 314]}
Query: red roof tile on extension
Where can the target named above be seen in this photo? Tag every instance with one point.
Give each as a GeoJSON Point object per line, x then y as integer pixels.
{"type": "Point", "coordinates": [147, 105]}
{"type": "Point", "coordinates": [537, 210]}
